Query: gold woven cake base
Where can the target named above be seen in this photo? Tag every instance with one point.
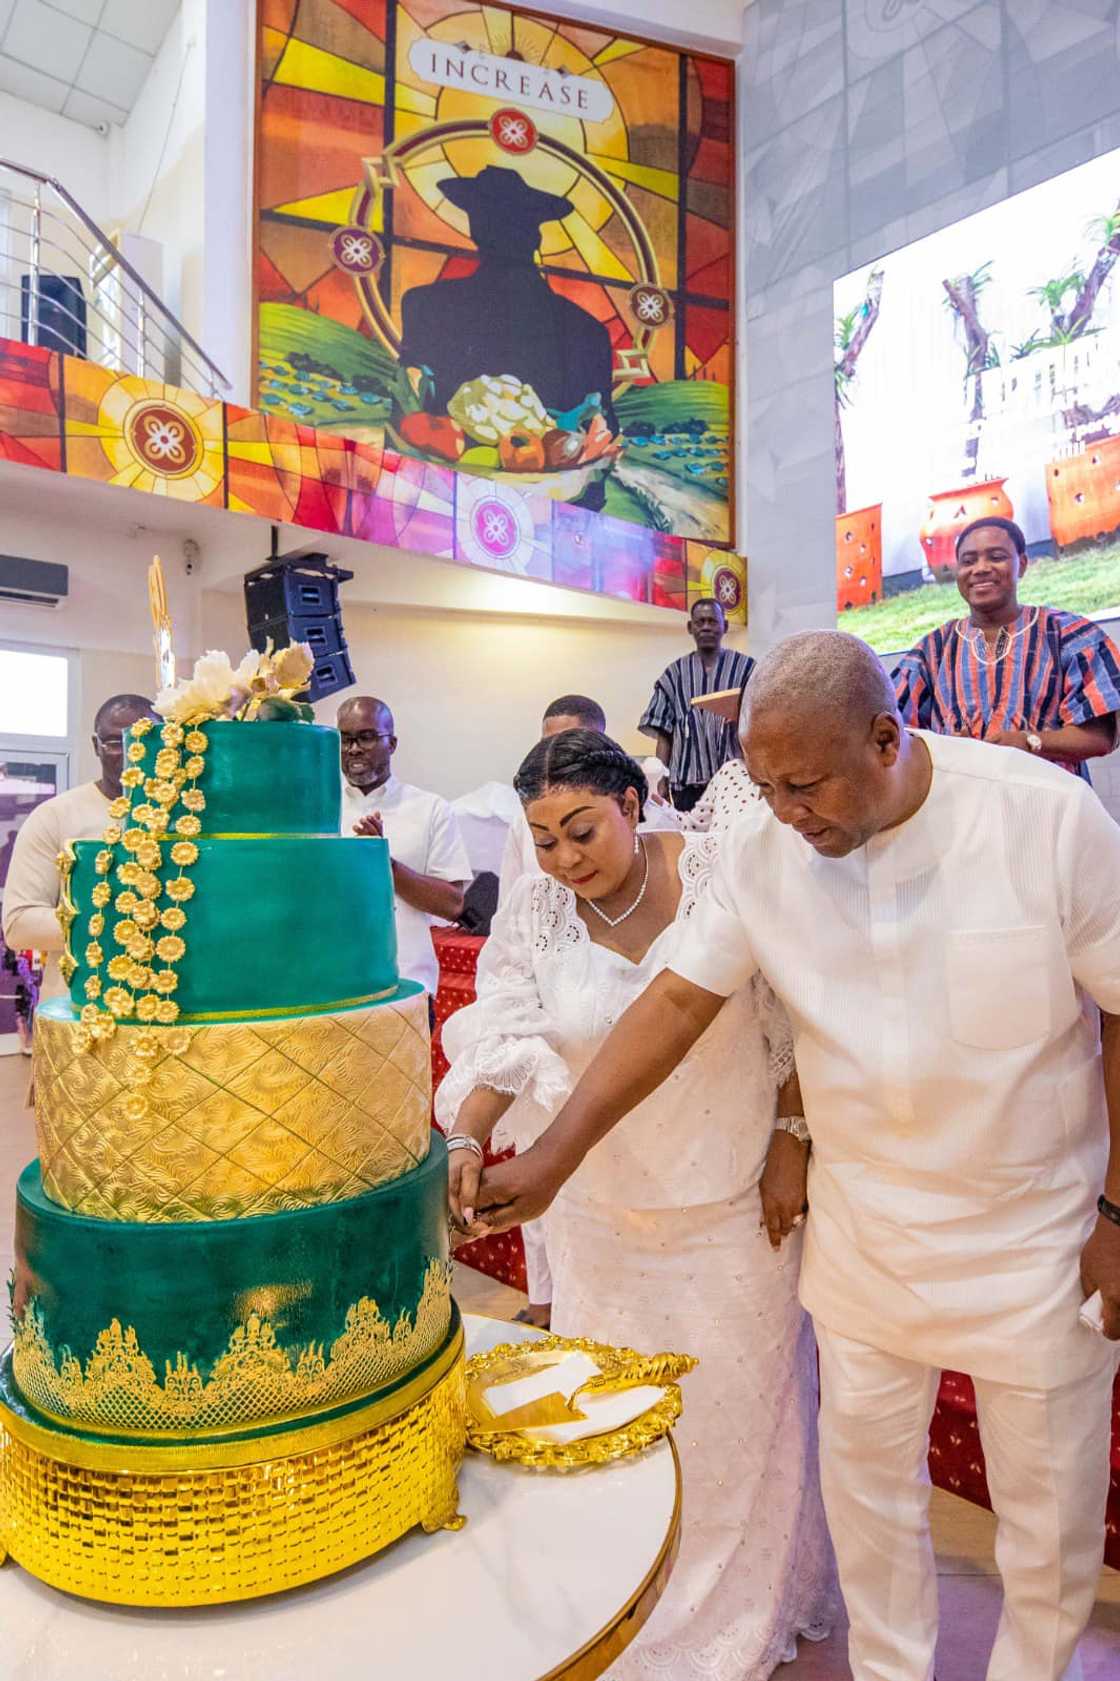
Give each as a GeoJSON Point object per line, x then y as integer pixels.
{"type": "Point", "coordinates": [234, 1531]}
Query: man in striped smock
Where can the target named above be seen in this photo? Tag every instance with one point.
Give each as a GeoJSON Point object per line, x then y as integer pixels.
{"type": "Point", "coordinates": [1035, 678]}
{"type": "Point", "coordinates": [694, 743]}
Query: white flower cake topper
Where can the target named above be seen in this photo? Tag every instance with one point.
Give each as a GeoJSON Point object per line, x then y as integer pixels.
{"type": "Point", "coordinates": [263, 686]}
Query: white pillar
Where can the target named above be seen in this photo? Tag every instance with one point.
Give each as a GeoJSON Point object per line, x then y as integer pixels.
{"type": "Point", "coordinates": [227, 334]}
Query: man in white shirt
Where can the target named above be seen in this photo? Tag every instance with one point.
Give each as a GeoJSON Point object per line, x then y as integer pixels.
{"type": "Point", "coordinates": [939, 917]}
{"type": "Point", "coordinates": [32, 889]}
{"type": "Point", "coordinates": [431, 869]}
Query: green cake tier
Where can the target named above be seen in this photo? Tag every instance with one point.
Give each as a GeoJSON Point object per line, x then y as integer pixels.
{"type": "Point", "coordinates": [208, 1328]}
{"type": "Point", "coordinates": [263, 779]}
{"type": "Point", "coordinates": [280, 924]}
{"type": "Point", "coordinates": [228, 1119]}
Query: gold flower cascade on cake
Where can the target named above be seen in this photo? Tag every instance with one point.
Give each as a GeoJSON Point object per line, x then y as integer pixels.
{"type": "Point", "coordinates": [236, 1362]}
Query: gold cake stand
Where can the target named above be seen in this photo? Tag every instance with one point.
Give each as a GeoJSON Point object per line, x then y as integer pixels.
{"type": "Point", "coordinates": [189, 1525]}
{"type": "Point", "coordinates": [550, 1581]}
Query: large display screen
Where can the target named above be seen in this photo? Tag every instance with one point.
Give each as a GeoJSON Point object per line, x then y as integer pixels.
{"type": "Point", "coordinates": [502, 241]}
{"type": "Point", "coordinates": [977, 371]}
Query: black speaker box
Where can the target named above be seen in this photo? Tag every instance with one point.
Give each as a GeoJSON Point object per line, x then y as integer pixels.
{"type": "Point", "coordinates": [296, 600]}
{"type": "Point", "coordinates": [61, 313]}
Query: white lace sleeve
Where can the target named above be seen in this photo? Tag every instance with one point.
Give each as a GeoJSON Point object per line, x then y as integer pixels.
{"type": "Point", "coordinates": [699, 820]}
{"type": "Point", "coordinates": [776, 1031]}
{"type": "Point", "coordinates": [502, 1040]}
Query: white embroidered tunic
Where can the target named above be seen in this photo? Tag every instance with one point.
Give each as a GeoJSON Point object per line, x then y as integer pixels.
{"type": "Point", "coordinates": [937, 980]}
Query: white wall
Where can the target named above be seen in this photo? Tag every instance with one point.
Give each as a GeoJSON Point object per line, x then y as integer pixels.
{"type": "Point", "coordinates": [225, 326]}
{"type": "Point", "coordinates": [467, 690]}
{"type": "Point", "coordinates": [157, 163]}
{"type": "Point", "coordinates": [74, 154]}
{"type": "Point", "coordinates": [105, 618]}
{"type": "Point", "coordinates": [468, 660]}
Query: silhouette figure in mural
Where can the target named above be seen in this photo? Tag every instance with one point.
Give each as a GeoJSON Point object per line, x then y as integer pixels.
{"type": "Point", "coordinates": [505, 318]}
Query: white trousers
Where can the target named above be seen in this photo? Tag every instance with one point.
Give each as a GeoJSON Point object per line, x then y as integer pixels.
{"type": "Point", "coordinates": [538, 1274]}
{"type": "Point", "coordinates": [1047, 1457]}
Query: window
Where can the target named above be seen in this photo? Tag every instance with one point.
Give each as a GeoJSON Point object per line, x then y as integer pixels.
{"type": "Point", "coordinates": [34, 693]}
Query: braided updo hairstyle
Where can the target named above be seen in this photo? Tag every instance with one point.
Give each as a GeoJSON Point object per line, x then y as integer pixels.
{"type": "Point", "coordinates": [581, 759]}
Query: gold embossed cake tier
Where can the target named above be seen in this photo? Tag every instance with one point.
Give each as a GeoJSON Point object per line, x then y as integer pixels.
{"type": "Point", "coordinates": [230, 1119]}
{"type": "Point", "coordinates": [134, 1533]}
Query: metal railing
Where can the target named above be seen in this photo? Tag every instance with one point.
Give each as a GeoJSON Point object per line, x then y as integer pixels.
{"type": "Point", "coordinates": [64, 284]}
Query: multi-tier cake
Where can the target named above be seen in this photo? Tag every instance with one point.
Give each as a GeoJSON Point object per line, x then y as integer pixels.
{"type": "Point", "coordinates": [236, 1363]}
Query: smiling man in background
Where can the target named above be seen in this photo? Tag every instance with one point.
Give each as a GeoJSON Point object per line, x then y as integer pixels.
{"type": "Point", "coordinates": [1034, 678]}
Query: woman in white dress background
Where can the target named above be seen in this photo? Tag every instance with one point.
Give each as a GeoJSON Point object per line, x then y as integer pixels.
{"type": "Point", "coordinates": [656, 1242]}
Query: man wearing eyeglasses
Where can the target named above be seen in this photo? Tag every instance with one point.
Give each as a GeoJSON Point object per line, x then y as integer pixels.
{"type": "Point", "coordinates": [431, 869]}
{"type": "Point", "coordinates": [32, 889]}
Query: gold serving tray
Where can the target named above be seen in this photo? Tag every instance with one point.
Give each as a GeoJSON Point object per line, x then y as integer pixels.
{"type": "Point", "coordinates": [620, 1368]}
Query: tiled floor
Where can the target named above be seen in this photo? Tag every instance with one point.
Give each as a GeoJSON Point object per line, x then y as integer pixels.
{"type": "Point", "coordinates": [970, 1594]}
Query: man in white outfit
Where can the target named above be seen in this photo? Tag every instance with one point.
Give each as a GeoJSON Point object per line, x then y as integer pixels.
{"type": "Point", "coordinates": [32, 889]}
{"type": "Point", "coordinates": [430, 866]}
{"type": "Point", "coordinates": [941, 919]}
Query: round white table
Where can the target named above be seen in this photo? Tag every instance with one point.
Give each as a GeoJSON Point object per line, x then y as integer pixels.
{"type": "Point", "coordinates": [552, 1577]}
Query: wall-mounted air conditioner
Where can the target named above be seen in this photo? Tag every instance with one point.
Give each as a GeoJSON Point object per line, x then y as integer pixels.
{"type": "Point", "coordinates": [32, 583]}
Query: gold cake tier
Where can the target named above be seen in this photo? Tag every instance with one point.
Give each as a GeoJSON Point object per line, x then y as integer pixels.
{"type": "Point", "coordinates": [229, 1119]}
{"type": "Point", "coordinates": [161, 1527]}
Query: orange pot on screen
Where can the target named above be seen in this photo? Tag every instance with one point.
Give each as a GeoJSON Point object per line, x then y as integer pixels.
{"type": "Point", "coordinates": [859, 557]}
{"type": "Point", "coordinates": [949, 512]}
{"type": "Point", "coordinates": [1084, 493]}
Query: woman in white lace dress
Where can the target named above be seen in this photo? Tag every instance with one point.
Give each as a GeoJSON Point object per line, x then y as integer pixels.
{"type": "Point", "coordinates": [656, 1242]}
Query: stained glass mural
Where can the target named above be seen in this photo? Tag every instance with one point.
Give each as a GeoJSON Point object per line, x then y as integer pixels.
{"type": "Point", "coordinates": [503, 243]}
{"type": "Point", "coordinates": [70, 416]}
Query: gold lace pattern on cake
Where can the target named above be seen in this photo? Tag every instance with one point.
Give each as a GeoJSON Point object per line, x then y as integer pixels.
{"type": "Point", "coordinates": [232, 1119]}
{"type": "Point", "coordinates": [255, 1381]}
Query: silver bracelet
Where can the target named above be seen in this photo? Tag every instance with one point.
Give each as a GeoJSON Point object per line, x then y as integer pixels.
{"type": "Point", "coordinates": [463, 1141]}
{"type": "Point", "coordinates": [797, 1127]}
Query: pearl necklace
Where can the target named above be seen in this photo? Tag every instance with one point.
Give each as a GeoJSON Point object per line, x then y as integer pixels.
{"type": "Point", "coordinates": [613, 921]}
